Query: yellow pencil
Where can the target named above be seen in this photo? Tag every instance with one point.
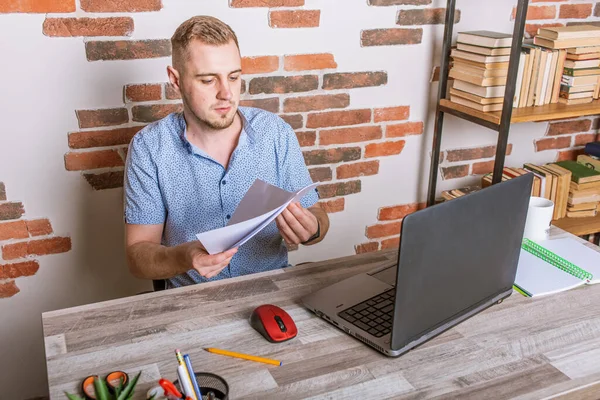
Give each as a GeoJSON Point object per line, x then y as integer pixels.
{"type": "Point", "coordinates": [243, 356]}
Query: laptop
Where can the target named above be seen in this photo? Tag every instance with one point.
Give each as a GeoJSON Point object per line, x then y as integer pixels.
{"type": "Point", "coordinates": [455, 259]}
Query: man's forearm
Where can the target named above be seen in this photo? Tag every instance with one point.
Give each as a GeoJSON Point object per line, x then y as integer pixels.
{"type": "Point", "coordinates": [149, 260]}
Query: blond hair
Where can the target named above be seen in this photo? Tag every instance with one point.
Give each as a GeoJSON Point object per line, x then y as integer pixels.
{"type": "Point", "coordinates": [206, 29]}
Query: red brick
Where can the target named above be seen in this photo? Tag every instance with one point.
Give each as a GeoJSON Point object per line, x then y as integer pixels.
{"type": "Point", "coordinates": [538, 12]}
{"type": "Point", "coordinates": [398, 2]}
{"type": "Point", "coordinates": [13, 230]}
{"type": "Point", "coordinates": [15, 210]}
{"type": "Point", "coordinates": [36, 248]}
{"type": "Point", "coordinates": [92, 159]}
{"type": "Point", "coordinates": [569, 154]}
{"type": "Point", "coordinates": [16, 270]}
{"type": "Point", "coordinates": [575, 11]}
{"type": "Point", "coordinates": [37, 6]}
{"type": "Point", "coordinates": [296, 121]}
{"type": "Point", "coordinates": [384, 149]}
{"type": "Point", "coordinates": [383, 230]}
{"type": "Point", "coordinates": [369, 247]}
{"type": "Point", "coordinates": [349, 135]}
{"type": "Point", "coordinates": [338, 118]}
{"type": "Point", "coordinates": [355, 170]}
{"type": "Point", "coordinates": [102, 117]}
{"type": "Point", "coordinates": [425, 16]}
{"type": "Point", "coordinates": [266, 3]}
{"type": "Point", "coordinates": [294, 19]}
{"type": "Point", "coordinates": [333, 206]}
{"type": "Point", "coordinates": [308, 62]}
{"type": "Point", "coordinates": [393, 243]}
{"type": "Point", "coordinates": [406, 129]}
{"type": "Point", "coordinates": [316, 103]}
{"type": "Point", "coordinates": [269, 104]}
{"type": "Point", "coordinates": [144, 92]}
{"type": "Point", "coordinates": [391, 113]}
{"type": "Point", "coordinates": [457, 171]}
{"type": "Point", "coordinates": [390, 37]}
{"type": "Point", "coordinates": [351, 80]}
{"type": "Point", "coordinates": [242, 89]}
{"type": "Point", "coordinates": [532, 29]}
{"type": "Point", "coordinates": [171, 93]}
{"type": "Point", "coordinates": [2, 191]}
{"type": "Point", "coordinates": [106, 180]}
{"type": "Point", "coordinates": [435, 74]}
{"type": "Point", "coordinates": [597, 10]}
{"type": "Point", "coordinates": [399, 212]}
{"type": "Point", "coordinates": [331, 156]}
{"type": "Point", "coordinates": [127, 49]}
{"type": "Point", "coordinates": [583, 139]}
{"type": "Point", "coordinates": [154, 112]}
{"type": "Point", "coordinates": [320, 174]}
{"type": "Point", "coordinates": [339, 189]}
{"type": "Point", "coordinates": [568, 127]}
{"type": "Point", "coordinates": [39, 227]}
{"type": "Point", "coordinates": [475, 153]}
{"type": "Point", "coordinates": [100, 6]}
{"type": "Point", "coordinates": [306, 138]}
{"type": "Point", "coordinates": [8, 289]}
{"type": "Point", "coordinates": [110, 137]}
{"type": "Point", "coordinates": [71, 27]}
{"type": "Point", "coordinates": [283, 84]}
{"type": "Point", "coordinates": [259, 65]}
{"type": "Point", "coordinates": [480, 168]}
{"type": "Point", "coordinates": [560, 142]}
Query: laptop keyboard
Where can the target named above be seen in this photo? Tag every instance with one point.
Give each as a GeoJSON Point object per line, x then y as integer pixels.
{"type": "Point", "coordinates": [373, 315]}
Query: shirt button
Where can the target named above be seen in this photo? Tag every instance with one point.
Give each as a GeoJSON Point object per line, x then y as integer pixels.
{"type": "Point", "coordinates": [228, 216]}
{"type": "Point", "coordinates": [223, 181]}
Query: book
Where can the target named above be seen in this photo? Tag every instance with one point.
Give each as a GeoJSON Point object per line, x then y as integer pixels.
{"type": "Point", "coordinates": [566, 43]}
{"type": "Point", "coordinates": [553, 266]}
{"type": "Point", "coordinates": [485, 38]}
{"type": "Point", "coordinates": [476, 106]}
{"type": "Point", "coordinates": [487, 92]}
{"type": "Point", "coordinates": [584, 56]}
{"type": "Point", "coordinates": [562, 57]}
{"type": "Point", "coordinates": [476, 99]}
{"type": "Point", "coordinates": [589, 162]}
{"type": "Point", "coordinates": [583, 50]}
{"type": "Point", "coordinates": [569, 32]}
{"type": "Point", "coordinates": [594, 63]}
{"type": "Point", "coordinates": [583, 207]}
{"type": "Point", "coordinates": [579, 80]}
{"type": "Point", "coordinates": [582, 214]}
{"type": "Point", "coordinates": [480, 72]}
{"type": "Point", "coordinates": [527, 70]}
{"type": "Point", "coordinates": [571, 102]}
{"type": "Point", "coordinates": [592, 149]}
{"type": "Point", "coordinates": [563, 178]}
{"type": "Point", "coordinates": [580, 95]}
{"type": "Point", "coordinates": [577, 89]}
{"type": "Point", "coordinates": [581, 72]}
{"type": "Point", "coordinates": [486, 66]}
{"type": "Point", "coordinates": [580, 173]}
{"type": "Point", "coordinates": [477, 80]}
{"type": "Point", "coordinates": [486, 51]}
{"type": "Point", "coordinates": [459, 54]}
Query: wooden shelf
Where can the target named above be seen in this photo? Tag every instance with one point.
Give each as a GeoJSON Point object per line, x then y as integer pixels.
{"type": "Point", "coordinates": [579, 226]}
{"type": "Point", "coordinates": [526, 114]}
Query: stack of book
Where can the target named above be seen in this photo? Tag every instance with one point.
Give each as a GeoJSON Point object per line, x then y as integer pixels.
{"type": "Point", "coordinates": [573, 53]}
{"type": "Point", "coordinates": [454, 193]}
{"type": "Point", "coordinates": [479, 69]}
{"type": "Point", "coordinates": [584, 189]}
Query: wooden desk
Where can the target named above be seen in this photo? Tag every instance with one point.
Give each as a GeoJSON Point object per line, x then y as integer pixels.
{"type": "Point", "coordinates": [523, 348]}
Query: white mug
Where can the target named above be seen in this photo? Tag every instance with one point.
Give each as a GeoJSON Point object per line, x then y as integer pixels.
{"type": "Point", "coordinates": [539, 217]}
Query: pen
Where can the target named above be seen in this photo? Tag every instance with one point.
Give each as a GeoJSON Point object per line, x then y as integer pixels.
{"type": "Point", "coordinates": [243, 356]}
{"type": "Point", "coordinates": [188, 364]}
{"type": "Point", "coordinates": [184, 377]}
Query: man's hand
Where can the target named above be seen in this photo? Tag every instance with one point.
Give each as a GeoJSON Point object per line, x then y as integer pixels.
{"type": "Point", "coordinates": [207, 265]}
{"type": "Point", "coordinates": [296, 224]}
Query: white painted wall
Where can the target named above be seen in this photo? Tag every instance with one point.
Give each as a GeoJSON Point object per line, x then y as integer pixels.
{"type": "Point", "coordinates": [45, 79]}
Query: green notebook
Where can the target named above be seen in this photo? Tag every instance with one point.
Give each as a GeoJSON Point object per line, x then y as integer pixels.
{"type": "Point", "coordinates": [579, 172]}
{"type": "Point", "coordinates": [542, 271]}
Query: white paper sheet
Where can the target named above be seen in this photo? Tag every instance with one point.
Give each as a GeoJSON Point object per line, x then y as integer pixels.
{"type": "Point", "coordinates": [577, 253]}
{"type": "Point", "coordinates": [261, 204]}
{"type": "Point", "coordinates": [537, 277]}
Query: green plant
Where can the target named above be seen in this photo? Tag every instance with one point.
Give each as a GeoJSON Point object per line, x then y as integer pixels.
{"type": "Point", "coordinates": [102, 392]}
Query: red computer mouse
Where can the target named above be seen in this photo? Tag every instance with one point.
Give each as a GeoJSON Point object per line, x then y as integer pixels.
{"type": "Point", "coordinates": [273, 323]}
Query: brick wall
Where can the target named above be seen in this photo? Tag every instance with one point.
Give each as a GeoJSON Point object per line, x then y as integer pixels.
{"type": "Point", "coordinates": [22, 240]}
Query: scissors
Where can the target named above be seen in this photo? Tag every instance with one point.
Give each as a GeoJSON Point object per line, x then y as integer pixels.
{"type": "Point", "coordinates": [113, 380]}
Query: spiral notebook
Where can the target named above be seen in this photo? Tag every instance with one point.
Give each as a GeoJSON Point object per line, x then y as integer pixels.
{"type": "Point", "coordinates": [553, 266]}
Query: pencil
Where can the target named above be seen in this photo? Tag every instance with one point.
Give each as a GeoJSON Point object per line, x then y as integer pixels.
{"type": "Point", "coordinates": [243, 356]}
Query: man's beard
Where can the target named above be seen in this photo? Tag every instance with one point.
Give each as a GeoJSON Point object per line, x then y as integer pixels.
{"type": "Point", "coordinates": [221, 122]}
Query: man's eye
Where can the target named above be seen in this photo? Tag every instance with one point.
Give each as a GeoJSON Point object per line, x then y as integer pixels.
{"type": "Point", "coordinates": [207, 81]}
{"type": "Point", "coordinates": [233, 78]}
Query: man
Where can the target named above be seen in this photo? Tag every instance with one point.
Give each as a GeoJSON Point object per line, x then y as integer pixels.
{"type": "Point", "coordinates": [186, 173]}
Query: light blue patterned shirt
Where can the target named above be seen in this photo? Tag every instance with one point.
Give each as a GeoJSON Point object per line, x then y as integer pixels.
{"type": "Point", "coordinates": [172, 182]}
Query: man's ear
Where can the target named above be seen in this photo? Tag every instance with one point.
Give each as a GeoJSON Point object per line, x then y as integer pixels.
{"type": "Point", "coordinates": [173, 77]}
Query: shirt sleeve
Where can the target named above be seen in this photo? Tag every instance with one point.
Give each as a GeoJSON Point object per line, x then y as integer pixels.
{"type": "Point", "coordinates": [292, 169]}
{"type": "Point", "coordinates": [143, 200]}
